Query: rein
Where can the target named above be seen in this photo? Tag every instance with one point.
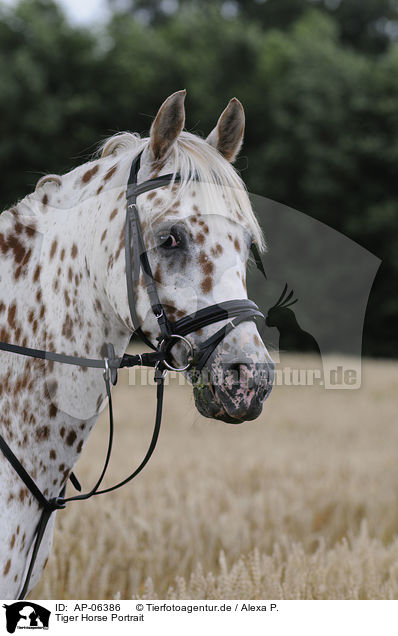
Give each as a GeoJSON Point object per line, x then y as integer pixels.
{"type": "Point", "coordinates": [235, 311]}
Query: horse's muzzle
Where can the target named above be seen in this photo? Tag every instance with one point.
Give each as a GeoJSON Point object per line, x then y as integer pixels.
{"type": "Point", "coordinates": [235, 394]}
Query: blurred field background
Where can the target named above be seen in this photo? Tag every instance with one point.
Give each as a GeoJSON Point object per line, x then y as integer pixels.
{"type": "Point", "coordinates": [300, 504]}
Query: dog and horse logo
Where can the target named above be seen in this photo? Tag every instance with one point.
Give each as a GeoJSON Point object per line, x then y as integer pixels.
{"type": "Point", "coordinates": [27, 615]}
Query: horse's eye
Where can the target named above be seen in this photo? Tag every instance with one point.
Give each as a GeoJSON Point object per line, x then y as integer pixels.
{"type": "Point", "coordinates": [170, 241]}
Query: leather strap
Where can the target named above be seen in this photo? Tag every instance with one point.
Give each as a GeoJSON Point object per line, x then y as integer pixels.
{"type": "Point", "coordinates": [48, 505]}
{"type": "Point", "coordinates": [51, 505]}
{"type": "Point", "coordinates": [215, 313]}
{"type": "Point", "coordinates": [134, 245]}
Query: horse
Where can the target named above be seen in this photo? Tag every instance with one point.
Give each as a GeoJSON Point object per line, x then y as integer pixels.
{"type": "Point", "coordinates": [63, 289]}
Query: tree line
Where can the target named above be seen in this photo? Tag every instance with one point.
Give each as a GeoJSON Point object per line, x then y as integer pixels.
{"type": "Point", "coordinates": [318, 80]}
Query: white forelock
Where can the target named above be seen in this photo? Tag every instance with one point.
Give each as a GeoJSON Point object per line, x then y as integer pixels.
{"type": "Point", "coordinates": [196, 160]}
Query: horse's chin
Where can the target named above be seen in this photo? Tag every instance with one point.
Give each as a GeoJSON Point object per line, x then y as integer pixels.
{"type": "Point", "coordinates": [234, 394]}
{"type": "Point", "coordinates": [217, 405]}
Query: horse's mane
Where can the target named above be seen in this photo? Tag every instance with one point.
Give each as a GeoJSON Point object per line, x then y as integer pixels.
{"type": "Point", "coordinates": [196, 160]}
{"type": "Point", "coordinates": [191, 156]}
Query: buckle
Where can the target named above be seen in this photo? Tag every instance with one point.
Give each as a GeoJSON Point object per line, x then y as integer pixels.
{"type": "Point", "coordinates": [107, 371]}
{"type": "Point", "coordinates": [57, 503]}
{"type": "Point", "coordinates": [160, 373]}
{"type": "Point", "coordinates": [166, 345]}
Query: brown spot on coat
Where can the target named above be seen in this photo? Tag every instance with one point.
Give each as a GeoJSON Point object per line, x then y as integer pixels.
{"type": "Point", "coordinates": [52, 411]}
{"type": "Point", "coordinates": [206, 285]}
{"type": "Point", "coordinates": [89, 174]}
{"type": "Point", "coordinates": [113, 214]}
{"type": "Point", "coordinates": [53, 249]}
{"type": "Point", "coordinates": [22, 494]}
{"type": "Point", "coordinates": [216, 250]}
{"type": "Point", "coordinates": [74, 250]}
{"type": "Point", "coordinates": [7, 567]}
{"type": "Point", "coordinates": [30, 231]}
{"type": "Point", "coordinates": [42, 433]}
{"type": "Point", "coordinates": [237, 245]}
{"type": "Point", "coordinates": [70, 440]}
{"type": "Point", "coordinates": [14, 244]}
{"type": "Point", "coordinates": [11, 315]}
{"type": "Point", "coordinates": [158, 274]}
{"type": "Point", "coordinates": [67, 327]}
{"type": "Point", "coordinates": [110, 173]}
{"type": "Point", "coordinates": [205, 263]}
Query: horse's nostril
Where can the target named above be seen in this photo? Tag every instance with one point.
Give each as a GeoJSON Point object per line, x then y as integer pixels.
{"type": "Point", "coordinates": [238, 374]}
{"type": "Point", "coordinates": [255, 377]}
{"type": "Point", "coordinates": [235, 368]}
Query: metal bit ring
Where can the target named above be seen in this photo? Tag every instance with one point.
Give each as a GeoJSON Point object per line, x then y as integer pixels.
{"type": "Point", "coordinates": [165, 345]}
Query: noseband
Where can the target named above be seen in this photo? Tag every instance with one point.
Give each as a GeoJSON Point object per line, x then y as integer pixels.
{"type": "Point", "coordinates": [171, 333]}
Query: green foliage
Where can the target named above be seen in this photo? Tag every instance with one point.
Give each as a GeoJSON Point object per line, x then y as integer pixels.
{"type": "Point", "coordinates": [365, 25]}
{"type": "Point", "coordinates": [320, 99]}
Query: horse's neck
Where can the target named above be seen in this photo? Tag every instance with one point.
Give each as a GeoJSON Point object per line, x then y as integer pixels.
{"type": "Point", "coordinates": [57, 303]}
{"type": "Point", "coordinates": [53, 296]}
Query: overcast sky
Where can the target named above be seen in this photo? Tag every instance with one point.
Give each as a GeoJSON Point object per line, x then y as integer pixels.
{"type": "Point", "coordinates": [80, 11]}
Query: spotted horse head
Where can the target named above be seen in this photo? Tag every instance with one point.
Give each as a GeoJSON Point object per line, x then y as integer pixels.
{"type": "Point", "coordinates": [197, 232]}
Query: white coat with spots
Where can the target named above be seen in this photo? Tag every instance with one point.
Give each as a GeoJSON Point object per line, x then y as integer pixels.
{"type": "Point", "coordinates": [63, 289]}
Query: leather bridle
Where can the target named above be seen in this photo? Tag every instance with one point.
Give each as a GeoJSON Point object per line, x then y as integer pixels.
{"type": "Point", "coordinates": [235, 311]}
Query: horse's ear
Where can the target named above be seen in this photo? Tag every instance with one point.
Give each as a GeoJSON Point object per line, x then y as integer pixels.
{"type": "Point", "coordinates": [168, 124]}
{"type": "Point", "coordinates": [227, 136]}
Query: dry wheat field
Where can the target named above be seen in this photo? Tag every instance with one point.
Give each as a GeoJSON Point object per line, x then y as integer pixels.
{"type": "Point", "coordinates": [300, 504]}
